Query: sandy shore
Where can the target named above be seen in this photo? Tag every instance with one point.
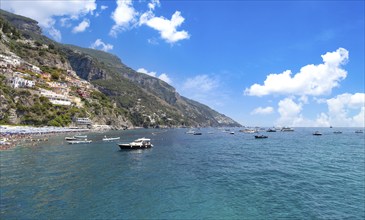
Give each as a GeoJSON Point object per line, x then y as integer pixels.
{"type": "Point", "coordinates": [12, 136]}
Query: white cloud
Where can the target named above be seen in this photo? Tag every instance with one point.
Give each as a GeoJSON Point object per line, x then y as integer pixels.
{"type": "Point", "coordinates": [347, 110]}
{"type": "Point", "coordinates": [312, 79]}
{"type": "Point", "coordinates": [82, 26]}
{"type": "Point", "coordinates": [163, 76]}
{"type": "Point", "coordinates": [153, 4]}
{"type": "Point", "coordinates": [45, 12]}
{"type": "Point", "coordinates": [166, 28]}
{"type": "Point", "coordinates": [200, 82]}
{"type": "Point", "coordinates": [55, 34]}
{"type": "Point", "coordinates": [124, 16]}
{"type": "Point", "coordinates": [143, 70]}
{"type": "Point", "coordinates": [262, 111]}
{"type": "Point", "coordinates": [290, 113]}
{"type": "Point", "coordinates": [100, 45]}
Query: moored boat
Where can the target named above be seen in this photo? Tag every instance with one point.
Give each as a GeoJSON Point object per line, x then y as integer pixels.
{"type": "Point", "coordinates": [110, 138]}
{"type": "Point", "coordinates": [140, 143]}
{"type": "Point", "coordinates": [70, 138]}
{"type": "Point", "coordinates": [260, 136]}
{"type": "Point", "coordinates": [197, 133]}
{"type": "Point", "coordinates": [80, 141]}
{"type": "Point", "coordinates": [271, 130]}
{"type": "Point", "coordinates": [80, 136]}
{"type": "Point", "coordinates": [287, 129]}
{"type": "Point", "coordinates": [190, 131]}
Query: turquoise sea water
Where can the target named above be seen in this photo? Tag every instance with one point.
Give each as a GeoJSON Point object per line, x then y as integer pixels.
{"type": "Point", "coordinates": [292, 175]}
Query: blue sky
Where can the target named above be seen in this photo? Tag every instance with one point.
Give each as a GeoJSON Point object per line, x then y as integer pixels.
{"type": "Point", "coordinates": [264, 63]}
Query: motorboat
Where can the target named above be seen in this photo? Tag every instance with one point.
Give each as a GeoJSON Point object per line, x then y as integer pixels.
{"type": "Point", "coordinates": [337, 132]}
{"type": "Point", "coordinates": [190, 131]}
{"type": "Point", "coordinates": [140, 143]}
{"type": "Point", "coordinates": [317, 133]}
{"type": "Point", "coordinates": [86, 141]}
{"type": "Point", "coordinates": [232, 132]}
{"type": "Point", "coordinates": [70, 138]}
{"type": "Point", "coordinates": [260, 136]}
{"type": "Point", "coordinates": [287, 129]}
{"type": "Point", "coordinates": [80, 136]}
{"type": "Point", "coordinates": [249, 131]}
{"type": "Point", "coordinates": [359, 131]}
{"type": "Point", "coordinates": [271, 130]}
{"type": "Point", "coordinates": [110, 138]}
{"type": "Point", "coordinates": [197, 133]}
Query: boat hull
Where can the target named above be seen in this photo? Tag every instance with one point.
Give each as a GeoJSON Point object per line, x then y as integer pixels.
{"type": "Point", "coordinates": [260, 136]}
{"type": "Point", "coordinates": [134, 147]}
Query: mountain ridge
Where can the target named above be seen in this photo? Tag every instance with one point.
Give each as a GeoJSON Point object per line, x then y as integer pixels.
{"type": "Point", "coordinates": [149, 101]}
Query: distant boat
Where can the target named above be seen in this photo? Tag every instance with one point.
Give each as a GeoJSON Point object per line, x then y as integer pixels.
{"type": "Point", "coordinates": [249, 131]}
{"type": "Point", "coordinates": [260, 136]}
{"type": "Point", "coordinates": [271, 130]}
{"type": "Point", "coordinates": [317, 133]}
{"type": "Point", "coordinates": [337, 132]}
{"type": "Point", "coordinates": [110, 138]}
{"type": "Point", "coordinates": [287, 129]}
{"type": "Point", "coordinates": [232, 132]}
{"type": "Point", "coordinates": [359, 131]}
{"type": "Point", "coordinates": [141, 143]}
{"type": "Point", "coordinates": [80, 136]}
{"type": "Point", "coordinates": [80, 141]}
{"type": "Point", "coordinates": [70, 138]}
{"type": "Point", "coordinates": [190, 131]}
{"type": "Point", "coordinates": [197, 133]}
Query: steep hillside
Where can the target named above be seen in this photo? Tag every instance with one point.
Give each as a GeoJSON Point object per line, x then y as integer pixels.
{"type": "Point", "coordinates": [145, 100]}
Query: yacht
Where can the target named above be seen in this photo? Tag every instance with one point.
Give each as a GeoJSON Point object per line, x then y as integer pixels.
{"type": "Point", "coordinates": [317, 133]}
{"type": "Point", "coordinates": [110, 138]}
{"type": "Point", "coordinates": [86, 141]}
{"type": "Point", "coordinates": [287, 129]}
{"type": "Point", "coordinates": [260, 136]}
{"type": "Point", "coordinates": [140, 143]}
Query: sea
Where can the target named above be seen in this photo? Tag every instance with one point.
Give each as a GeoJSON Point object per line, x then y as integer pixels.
{"type": "Point", "coordinates": [216, 175]}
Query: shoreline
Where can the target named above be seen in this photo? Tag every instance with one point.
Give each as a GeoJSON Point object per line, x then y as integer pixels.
{"type": "Point", "coordinates": [12, 136]}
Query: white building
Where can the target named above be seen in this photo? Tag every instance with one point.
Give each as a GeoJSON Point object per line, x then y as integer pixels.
{"type": "Point", "coordinates": [83, 121]}
{"type": "Point", "coordinates": [55, 98]}
{"type": "Point", "coordinates": [17, 82]}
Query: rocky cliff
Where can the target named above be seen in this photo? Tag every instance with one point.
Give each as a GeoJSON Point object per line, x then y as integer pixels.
{"type": "Point", "coordinates": [145, 100]}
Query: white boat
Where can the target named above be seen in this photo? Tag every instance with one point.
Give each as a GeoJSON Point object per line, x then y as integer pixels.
{"type": "Point", "coordinates": [359, 132]}
{"type": "Point", "coordinates": [80, 141]}
{"type": "Point", "coordinates": [140, 143]}
{"type": "Point", "coordinates": [249, 131]}
{"type": "Point", "coordinates": [190, 131]}
{"type": "Point", "coordinates": [110, 138]}
{"type": "Point", "coordinates": [317, 133]}
{"type": "Point", "coordinates": [80, 136]}
{"type": "Point", "coordinates": [287, 129]}
{"type": "Point", "coordinates": [70, 138]}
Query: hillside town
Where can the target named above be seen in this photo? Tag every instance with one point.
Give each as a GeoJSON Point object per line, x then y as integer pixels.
{"type": "Point", "coordinates": [60, 87]}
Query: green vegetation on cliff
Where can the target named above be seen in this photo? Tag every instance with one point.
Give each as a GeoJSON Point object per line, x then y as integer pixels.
{"type": "Point", "coordinates": [125, 96]}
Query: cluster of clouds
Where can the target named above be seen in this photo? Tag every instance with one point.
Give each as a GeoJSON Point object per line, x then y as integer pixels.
{"type": "Point", "coordinates": [312, 81]}
{"type": "Point", "coordinates": [45, 12]}
{"type": "Point", "coordinates": [124, 17]}
{"type": "Point", "coordinates": [163, 76]}
{"type": "Point", "coordinates": [100, 45]}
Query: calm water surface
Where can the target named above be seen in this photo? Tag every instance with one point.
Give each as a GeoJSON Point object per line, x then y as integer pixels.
{"type": "Point", "coordinates": [216, 175]}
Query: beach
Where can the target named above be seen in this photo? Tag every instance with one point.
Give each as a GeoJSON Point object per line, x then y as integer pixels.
{"type": "Point", "coordinates": [12, 136]}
